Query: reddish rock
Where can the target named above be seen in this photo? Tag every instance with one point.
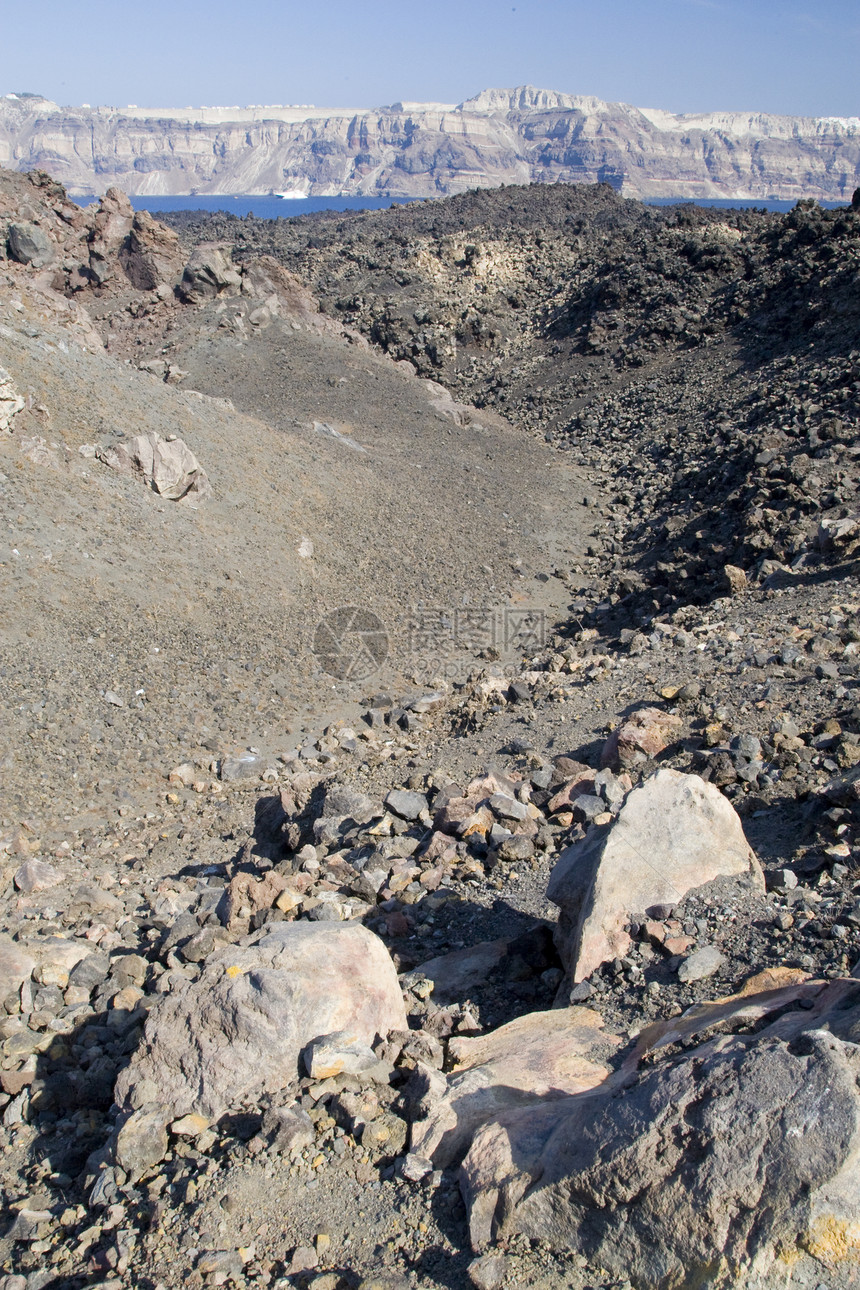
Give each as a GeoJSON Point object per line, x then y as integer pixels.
{"type": "Point", "coordinates": [582, 782]}
{"type": "Point", "coordinates": [440, 847]}
{"type": "Point", "coordinates": [642, 736]}
{"type": "Point", "coordinates": [677, 944]}
{"type": "Point", "coordinates": [455, 815]}
{"type": "Point", "coordinates": [397, 924]}
{"type": "Point", "coordinates": [247, 895]}
{"type": "Point", "coordinates": [12, 1082]}
{"type": "Point", "coordinates": [655, 932]}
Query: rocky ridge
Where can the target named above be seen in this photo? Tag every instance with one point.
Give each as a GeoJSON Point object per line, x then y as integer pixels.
{"type": "Point", "coordinates": [522, 135]}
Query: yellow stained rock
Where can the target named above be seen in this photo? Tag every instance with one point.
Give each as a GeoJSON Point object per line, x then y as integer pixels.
{"type": "Point", "coordinates": [833, 1240]}
{"type": "Point", "coordinates": [288, 900]}
{"type": "Point", "coordinates": [189, 1126]}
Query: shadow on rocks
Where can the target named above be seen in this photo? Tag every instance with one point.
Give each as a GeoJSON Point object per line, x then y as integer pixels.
{"type": "Point", "coordinates": [67, 1106]}
{"type": "Point", "coordinates": [443, 1266]}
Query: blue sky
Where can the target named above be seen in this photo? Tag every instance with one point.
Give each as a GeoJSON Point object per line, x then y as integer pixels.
{"type": "Point", "coordinates": [791, 56]}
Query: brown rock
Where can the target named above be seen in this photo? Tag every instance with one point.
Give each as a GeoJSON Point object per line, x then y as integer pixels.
{"type": "Point", "coordinates": [151, 254]}
{"type": "Point", "coordinates": [734, 579]}
{"type": "Point", "coordinates": [543, 1056]}
{"type": "Point", "coordinates": [677, 944]}
{"type": "Point", "coordinates": [571, 789]}
{"type": "Point", "coordinates": [247, 895]}
{"type": "Point", "coordinates": [642, 736]}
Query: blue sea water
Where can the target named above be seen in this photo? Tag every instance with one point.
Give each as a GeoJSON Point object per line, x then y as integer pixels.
{"type": "Point", "coordinates": [285, 208]}
{"type": "Point", "coordinates": [726, 203]}
{"type": "Point", "coordinates": [261, 207]}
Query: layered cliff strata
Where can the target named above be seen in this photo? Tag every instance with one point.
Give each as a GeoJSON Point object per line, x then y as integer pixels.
{"type": "Point", "coordinates": [499, 137]}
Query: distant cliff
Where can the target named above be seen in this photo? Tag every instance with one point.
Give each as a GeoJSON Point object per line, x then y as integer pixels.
{"type": "Point", "coordinates": [432, 149]}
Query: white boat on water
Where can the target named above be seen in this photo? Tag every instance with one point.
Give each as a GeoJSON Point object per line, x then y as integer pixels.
{"type": "Point", "coordinates": [292, 195]}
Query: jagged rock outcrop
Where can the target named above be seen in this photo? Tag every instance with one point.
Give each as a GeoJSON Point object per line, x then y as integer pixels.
{"type": "Point", "coordinates": [700, 1171]}
{"type": "Point", "coordinates": [105, 244]}
{"type": "Point", "coordinates": [431, 149]}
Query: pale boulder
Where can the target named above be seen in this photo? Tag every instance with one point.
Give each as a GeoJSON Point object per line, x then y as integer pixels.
{"type": "Point", "coordinates": [16, 966]}
{"type": "Point", "coordinates": [238, 1032]}
{"type": "Point", "coordinates": [167, 466]}
{"type": "Point", "coordinates": [10, 400]}
{"type": "Point", "coordinates": [674, 833]}
{"type": "Point", "coordinates": [37, 875]}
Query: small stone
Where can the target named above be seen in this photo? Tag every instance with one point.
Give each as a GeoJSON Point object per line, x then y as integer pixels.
{"type": "Point", "coordinates": [677, 944]}
{"type": "Point", "coordinates": [580, 992]}
{"type": "Point", "coordinates": [587, 808]}
{"type": "Point", "coordinates": [643, 735]}
{"type": "Point", "coordinates": [385, 1281]}
{"type": "Point", "coordinates": [385, 1136]}
{"type": "Point", "coordinates": [489, 1271]}
{"type": "Point", "coordinates": [340, 1053]}
{"type": "Point", "coordinates": [37, 875]}
{"type": "Point", "coordinates": [508, 807]}
{"type": "Point", "coordinates": [189, 1126]}
{"type": "Point", "coordinates": [26, 1223]}
{"type": "Point", "coordinates": [220, 1265]}
{"type": "Point", "coordinates": [14, 1082]}
{"type": "Point", "coordinates": [142, 1141]}
{"type": "Point", "coordinates": [52, 974]}
{"type": "Point", "coordinates": [734, 579]}
{"type": "Point", "coordinates": [291, 1127]}
{"type": "Point", "coordinates": [199, 946]}
{"type": "Point", "coordinates": [90, 971]}
{"type": "Point", "coordinates": [186, 774]}
{"type": "Point", "coordinates": [304, 1259]}
{"type": "Point", "coordinates": [516, 847]}
{"type": "Point", "coordinates": [408, 805]}
{"type": "Point", "coordinates": [415, 1167]}
{"type": "Point", "coordinates": [701, 964]}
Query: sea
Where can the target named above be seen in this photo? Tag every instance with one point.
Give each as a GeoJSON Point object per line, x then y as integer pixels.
{"type": "Point", "coordinates": [286, 208]}
{"type": "Point", "coordinates": [259, 207]}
